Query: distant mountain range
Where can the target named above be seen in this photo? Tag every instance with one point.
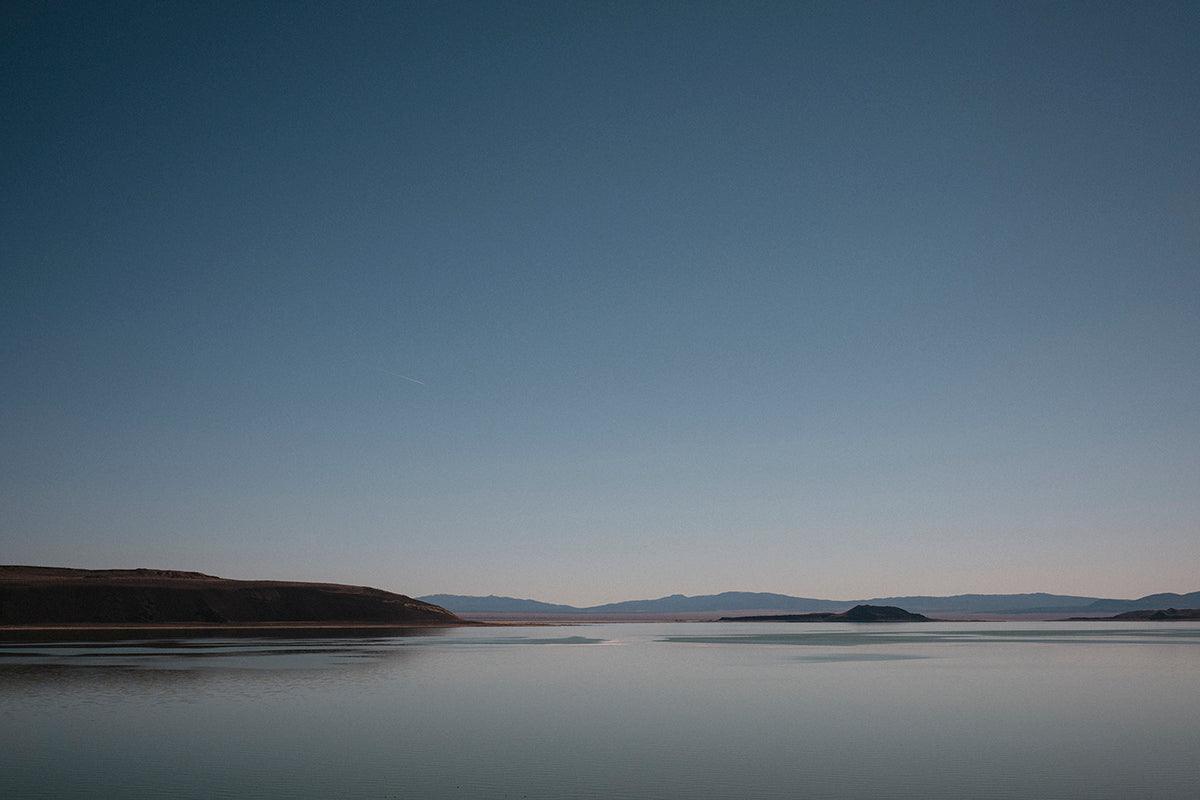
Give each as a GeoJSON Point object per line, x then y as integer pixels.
{"type": "Point", "coordinates": [1035, 603]}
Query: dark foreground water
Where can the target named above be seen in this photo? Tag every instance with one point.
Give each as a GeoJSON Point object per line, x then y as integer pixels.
{"type": "Point", "coordinates": [981, 710]}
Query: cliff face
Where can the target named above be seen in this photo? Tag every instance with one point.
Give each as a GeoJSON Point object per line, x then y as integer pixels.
{"type": "Point", "coordinates": [47, 595]}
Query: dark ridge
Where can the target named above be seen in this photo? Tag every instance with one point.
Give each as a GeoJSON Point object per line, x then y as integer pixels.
{"type": "Point", "coordinates": [861, 613]}
{"type": "Point", "coordinates": [1147, 614]}
{"type": "Point", "coordinates": [58, 596]}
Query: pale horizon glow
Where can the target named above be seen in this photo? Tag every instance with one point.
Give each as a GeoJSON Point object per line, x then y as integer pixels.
{"type": "Point", "coordinates": [834, 300]}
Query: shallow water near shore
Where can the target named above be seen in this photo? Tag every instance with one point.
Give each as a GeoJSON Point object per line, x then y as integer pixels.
{"type": "Point", "coordinates": [683, 710]}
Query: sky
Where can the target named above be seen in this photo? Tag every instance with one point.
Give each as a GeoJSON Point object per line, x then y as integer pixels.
{"type": "Point", "coordinates": [595, 301]}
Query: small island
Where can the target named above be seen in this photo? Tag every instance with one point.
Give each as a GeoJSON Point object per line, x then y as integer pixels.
{"type": "Point", "coordinates": [861, 613]}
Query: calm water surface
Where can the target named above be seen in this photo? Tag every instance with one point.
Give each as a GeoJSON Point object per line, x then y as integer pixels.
{"type": "Point", "coordinates": [689, 710]}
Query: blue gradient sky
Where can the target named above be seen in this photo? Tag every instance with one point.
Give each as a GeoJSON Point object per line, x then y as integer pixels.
{"type": "Point", "coordinates": [835, 300]}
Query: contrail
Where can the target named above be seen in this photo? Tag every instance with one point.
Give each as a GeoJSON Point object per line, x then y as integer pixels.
{"type": "Point", "coordinates": [386, 371]}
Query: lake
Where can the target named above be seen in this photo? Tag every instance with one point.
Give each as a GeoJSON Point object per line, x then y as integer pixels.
{"type": "Point", "coordinates": [672, 710]}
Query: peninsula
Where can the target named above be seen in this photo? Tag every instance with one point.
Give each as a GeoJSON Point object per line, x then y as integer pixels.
{"type": "Point", "coordinates": [55, 596]}
{"type": "Point", "coordinates": [1147, 615]}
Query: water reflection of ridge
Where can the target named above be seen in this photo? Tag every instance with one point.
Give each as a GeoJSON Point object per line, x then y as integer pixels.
{"type": "Point", "coordinates": [244, 656]}
{"type": "Point", "coordinates": [180, 636]}
{"type": "Point", "coordinates": [243, 659]}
